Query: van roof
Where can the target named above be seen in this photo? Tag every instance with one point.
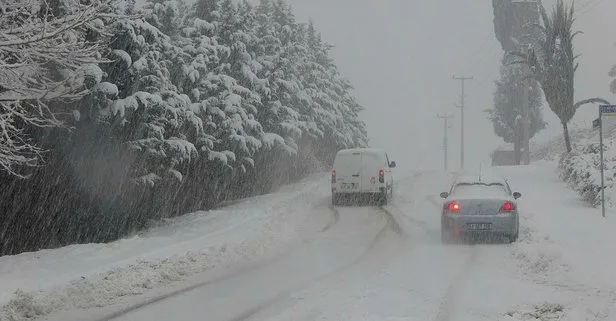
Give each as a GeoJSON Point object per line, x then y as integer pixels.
{"type": "Point", "coordinates": [361, 150]}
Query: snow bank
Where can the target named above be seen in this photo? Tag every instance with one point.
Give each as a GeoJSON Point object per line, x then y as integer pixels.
{"type": "Point", "coordinates": [541, 312]}
{"type": "Point", "coordinates": [563, 246]}
{"type": "Point", "coordinates": [580, 169]}
{"type": "Point", "coordinates": [33, 285]}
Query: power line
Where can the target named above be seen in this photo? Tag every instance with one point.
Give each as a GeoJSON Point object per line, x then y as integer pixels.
{"type": "Point", "coordinates": [585, 4]}
{"type": "Point", "coordinates": [590, 8]}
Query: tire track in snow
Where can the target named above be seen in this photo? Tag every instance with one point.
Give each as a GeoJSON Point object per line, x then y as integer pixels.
{"type": "Point", "coordinates": [211, 282]}
{"type": "Point", "coordinates": [334, 221]}
{"type": "Point", "coordinates": [447, 307]}
{"type": "Point", "coordinates": [412, 177]}
{"type": "Point", "coordinates": [259, 265]}
{"type": "Point", "coordinates": [390, 225]}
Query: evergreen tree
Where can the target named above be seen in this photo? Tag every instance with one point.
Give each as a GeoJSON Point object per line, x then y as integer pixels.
{"type": "Point", "coordinates": [184, 107]}
{"type": "Point", "coordinates": [554, 65]}
{"type": "Point", "coordinates": [506, 116]}
{"type": "Point", "coordinates": [207, 10]}
{"type": "Point", "coordinates": [130, 7]}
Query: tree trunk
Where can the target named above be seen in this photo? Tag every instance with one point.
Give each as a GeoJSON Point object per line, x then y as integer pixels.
{"type": "Point", "coordinates": [567, 138]}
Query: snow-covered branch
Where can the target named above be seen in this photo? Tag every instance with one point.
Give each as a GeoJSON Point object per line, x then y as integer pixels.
{"type": "Point", "coordinates": [44, 57]}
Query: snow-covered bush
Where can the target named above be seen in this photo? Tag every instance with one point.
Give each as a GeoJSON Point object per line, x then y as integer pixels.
{"type": "Point", "coordinates": [554, 148]}
{"type": "Point", "coordinates": [580, 169]}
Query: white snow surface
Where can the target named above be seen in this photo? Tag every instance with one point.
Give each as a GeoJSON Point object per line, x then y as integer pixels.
{"type": "Point", "coordinates": [290, 256]}
{"type": "Point", "coordinates": [96, 275]}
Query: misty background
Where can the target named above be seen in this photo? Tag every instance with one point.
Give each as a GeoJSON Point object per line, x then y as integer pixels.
{"type": "Point", "coordinates": [401, 55]}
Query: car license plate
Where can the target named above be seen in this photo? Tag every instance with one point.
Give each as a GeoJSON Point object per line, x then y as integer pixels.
{"type": "Point", "coordinates": [479, 226]}
{"type": "Point", "coordinates": [349, 185]}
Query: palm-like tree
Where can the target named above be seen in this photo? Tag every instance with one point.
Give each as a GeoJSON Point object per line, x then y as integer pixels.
{"type": "Point", "coordinates": [553, 64]}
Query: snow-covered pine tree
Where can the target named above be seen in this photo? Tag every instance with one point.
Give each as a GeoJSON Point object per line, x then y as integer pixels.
{"type": "Point", "coordinates": [224, 106]}
{"type": "Point", "coordinates": [207, 10]}
{"type": "Point", "coordinates": [184, 107]}
{"type": "Point", "coordinates": [43, 59]}
{"type": "Point", "coordinates": [50, 53]}
{"type": "Point", "coordinates": [130, 7]}
{"type": "Point", "coordinates": [337, 110]}
{"type": "Point", "coordinates": [154, 116]}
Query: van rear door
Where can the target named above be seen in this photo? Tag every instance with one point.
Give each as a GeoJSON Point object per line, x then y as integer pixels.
{"type": "Point", "coordinates": [371, 164]}
{"type": "Point", "coordinates": [348, 172]}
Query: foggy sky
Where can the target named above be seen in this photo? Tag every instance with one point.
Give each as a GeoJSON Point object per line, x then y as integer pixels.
{"type": "Point", "coordinates": [401, 55]}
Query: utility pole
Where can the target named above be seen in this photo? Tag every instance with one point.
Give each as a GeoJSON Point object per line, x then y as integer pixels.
{"type": "Point", "coordinates": [445, 118]}
{"type": "Point", "coordinates": [525, 110]}
{"type": "Point", "coordinates": [462, 98]}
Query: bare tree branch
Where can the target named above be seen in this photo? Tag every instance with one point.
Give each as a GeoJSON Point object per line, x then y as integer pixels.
{"type": "Point", "coordinates": [590, 101]}
{"type": "Point", "coordinates": [43, 59]}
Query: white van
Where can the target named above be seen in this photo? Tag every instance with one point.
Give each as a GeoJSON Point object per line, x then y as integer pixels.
{"type": "Point", "coordinates": [362, 171]}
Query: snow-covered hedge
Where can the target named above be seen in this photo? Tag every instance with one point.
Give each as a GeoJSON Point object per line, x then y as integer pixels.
{"type": "Point", "coordinates": [580, 169]}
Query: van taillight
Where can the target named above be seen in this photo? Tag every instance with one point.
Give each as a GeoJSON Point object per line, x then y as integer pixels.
{"type": "Point", "coordinates": [381, 176]}
{"type": "Point", "coordinates": [333, 176]}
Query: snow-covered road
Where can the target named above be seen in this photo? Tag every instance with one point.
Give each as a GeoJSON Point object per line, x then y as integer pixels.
{"type": "Point", "coordinates": [370, 263]}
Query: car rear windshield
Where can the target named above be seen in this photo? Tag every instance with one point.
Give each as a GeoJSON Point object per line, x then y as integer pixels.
{"type": "Point", "coordinates": [480, 189]}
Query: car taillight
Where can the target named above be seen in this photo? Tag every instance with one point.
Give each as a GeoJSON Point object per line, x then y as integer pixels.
{"type": "Point", "coordinates": [507, 207]}
{"type": "Point", "coordinates": [453, 207]}
{"type": "Point", "coordinates": [381, 176]}
{"type": "Point", "coordinates": [333, 176]}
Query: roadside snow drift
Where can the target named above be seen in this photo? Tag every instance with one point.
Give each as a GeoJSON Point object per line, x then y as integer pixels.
{"type": "Point", "coordinates": [96, 275]}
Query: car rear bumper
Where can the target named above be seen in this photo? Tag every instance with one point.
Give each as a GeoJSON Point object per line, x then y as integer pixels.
{"type": "Point", "coordinates": [371, 191]}
{"type": "Point", "coordinates": [506, 224]}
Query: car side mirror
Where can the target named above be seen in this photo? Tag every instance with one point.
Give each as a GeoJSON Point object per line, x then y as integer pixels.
{"type": "Point", "coordinates": [517, 195]}
{"type": "Point", "coordinates": [444, 195]}
{"type": "Point", "coordinates": [392, 164]}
